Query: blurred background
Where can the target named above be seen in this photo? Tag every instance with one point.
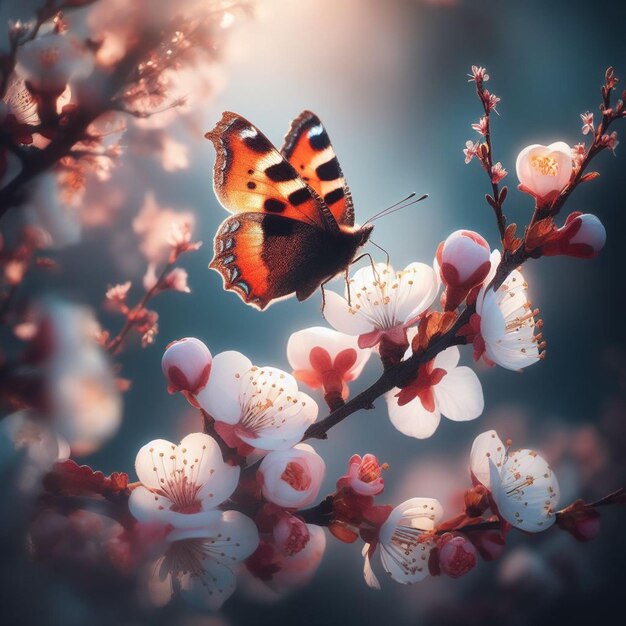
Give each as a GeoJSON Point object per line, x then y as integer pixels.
{"type": "Point", "coordinates": [389, 81]}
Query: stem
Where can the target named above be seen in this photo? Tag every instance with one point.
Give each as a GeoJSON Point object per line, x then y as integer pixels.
{"type": "Point", "coordinates": [131, 318]}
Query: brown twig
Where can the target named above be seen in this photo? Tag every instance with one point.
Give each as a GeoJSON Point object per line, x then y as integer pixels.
{"type": "Point", "coordinates": [133, 315]}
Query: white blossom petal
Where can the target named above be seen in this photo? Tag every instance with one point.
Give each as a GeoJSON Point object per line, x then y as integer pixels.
{"type": "Point", "coordinates": [459, 395]}
{"type": "Point", "coordinates": [412, 419]}
{"type": "Point", "coordinates": [220, 396]}
{"type": "Point", "coordinates": [486, 447]}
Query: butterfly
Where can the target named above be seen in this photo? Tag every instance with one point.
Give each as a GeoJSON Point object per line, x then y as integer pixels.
{"type": "Point", "coordinates": [292, 227]}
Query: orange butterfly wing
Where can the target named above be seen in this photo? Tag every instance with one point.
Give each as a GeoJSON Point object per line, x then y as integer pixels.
{"type": "Point", "coordinates": [307, 147]}
{"type": "Point", "coordinates": [264, 257]}
{"type": "Point", "coordinates": [251, 176]}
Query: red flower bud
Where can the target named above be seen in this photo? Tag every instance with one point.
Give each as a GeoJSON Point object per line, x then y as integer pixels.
{"type": "Point", "coordinates": [457, 555]}
{"type": "Point", "coordinates": [186, 364]}
{"type": "Point", "coordinates": [582, 236]}
{"type": "Point", "coordinates": [463, 263]}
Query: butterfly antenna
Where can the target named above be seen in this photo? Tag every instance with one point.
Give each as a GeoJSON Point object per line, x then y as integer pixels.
{"type": "Point", "coordinates": [398, 206]}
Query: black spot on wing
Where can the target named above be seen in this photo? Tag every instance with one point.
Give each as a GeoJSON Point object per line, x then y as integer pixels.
{"type": "Point", "coordinates": [251, 185]}
{"type": "Point", "coordinates": [334, 196]}
{"type": "Point", "coordinates": [329, 170]}
{"type": "Point", "coordinates": [300, 196]}
{"type": "Point", "coordinates": [274, 206]}
{"type": "Point", "coordinates": [281, 172]}
{"type": "Point", "coordinates": [275, 226]}
{"type": "Point", "coordinates": [319, 141]}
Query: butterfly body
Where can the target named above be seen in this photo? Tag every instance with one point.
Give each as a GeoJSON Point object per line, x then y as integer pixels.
{"type": "Point", "coordinates": [292, 226]}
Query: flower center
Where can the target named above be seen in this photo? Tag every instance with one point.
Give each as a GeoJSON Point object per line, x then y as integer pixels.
{"type": "Point", "coordinates": [370, 470]}
{"type": "Point", "coordinates": [546, 165]}
{"type": "Point", "coordinates": [296, 477]}
{"type": "Point", "coordinates": [49, 57]}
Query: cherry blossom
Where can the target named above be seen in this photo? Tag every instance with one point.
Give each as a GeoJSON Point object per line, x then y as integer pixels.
{"type": "Point", "coordinates": [381, 303]}
{"type": "Point", "coordinates": [462, 262]}
{"type": "Point", "coordinates": [325, 359]}
{"type": "Point", "coordinates": [182, 485]}
{"type": "Point", "coordinates": [405, 541]}
{"type": "Point", "coordinates": [523, 487]}
{"type": "Point", "coordinates": [260, 407]}
{"type": "Point", "coordinates": [48, 62]}
{"type": "Point", "coordinates": [498, 173]}
{"type": "Point", "coordinates": [158, 227]}
{"type": "Point", "coordinates": [543, 171]}
{"type": "Point", "coordinates": [506, 322]}
{"type": "Point", "coordinates": [292, 478]}
{"type": "Point", "coordinates": [583, 236]}
{"type": "Point", "coordinates": [202, 561]}
{"type": "Point", "coordinates": [441, 387]}
{"type": "Point", "coordinates": [587, 119]}
{"type": "Point", "coordinates": [186, 364]}
{"type": "Point", "coordinates": [364, 475]}
{"type": "Point", "coordinates": [82, 396]}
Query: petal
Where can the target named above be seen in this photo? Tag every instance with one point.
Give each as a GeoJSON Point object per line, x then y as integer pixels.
{"type": "Point", "coordinates": [343, 318]}
{"type": "Point", "coordinates": [412, 419]}
{"type": "Point", "coordinates": [217, 480]}
{"type": "Point", "coordinates": [418, 286]}
{"type": "Point", "coordinates": [486, 447]}
{"type": "Point", "coordinates": [154, 461]}
{"type": "Point", "coordinates": [368, 572]}
{"type": "Point", "coordinates": [459, 395]}
{"type": "Point", "coordinates": [213, 587]}
{"type": "Point", "coordinates": [220, 396]}
{"type": "Point", "coordinates": [527, 493]}
{"type": "Point", "coordinates": [231, 537]}
{"type": "Point", "coordinates": [448, 359]}
{"type": "Point", "coordinates": [415, 558]}
{"type": "Point", "coordinates": [147, 507]}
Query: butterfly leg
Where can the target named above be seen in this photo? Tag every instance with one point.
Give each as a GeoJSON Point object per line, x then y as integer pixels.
{"type": "Point", "coordinates": [324, 293]}
{"type": "Point", "coordinates": [383, 250]}
{"type": "Point", "coordinates": [369, 256]}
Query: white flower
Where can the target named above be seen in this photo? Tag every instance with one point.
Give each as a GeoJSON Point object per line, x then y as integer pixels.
{"type": "Point", "coordinates": [83, 399]}
{"type": "Point", "coordinates": [323, 358]}
{"type": "Point", "coordinates": [405, 542]}
{"type": "Point", "coordinates": [50, 61]}
{"type": "Point", "coordinates": [292, 478]}
{"type": "Point", "coordinates": [259, 406]}
{"type": "Point", "coordinates": [181, 485]}
{"type": "Point", "coordinates": [383, 302]}
{"type": "Point", "coordinates": [48, 207]}
{"type": "Point", "coordinates": [522, 484]}
{"type": "Point", "coordinates": [202, 560]}
{"type": "Point", "coordinates": [440, 387]}
{"type": "Point", "coordinates": [507, 321]}
{"type": "Point", "coordinates": [543, 171]}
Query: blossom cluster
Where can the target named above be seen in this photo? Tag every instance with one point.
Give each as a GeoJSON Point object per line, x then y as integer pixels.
{"type": "Point", "coordinates": [240, 496]}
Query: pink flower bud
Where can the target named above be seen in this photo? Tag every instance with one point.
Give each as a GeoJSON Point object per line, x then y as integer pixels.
{"type": "Point", "coordinates": [291, 534]}
{"type": "Point", "coordinates": [543, 171]}
{"type": "Point", "coordinates": [463, 260]}
{"type": "Point", "coordinates": [582, 236]}
{"type": "Point", "coordinates": [186, 364]}
{"type": "Point", "coordinates": [364, 475]}
{"type": "Point", "coordinates": [292, 478]}
{"type": "Point", "coordinates": [457, 555]}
